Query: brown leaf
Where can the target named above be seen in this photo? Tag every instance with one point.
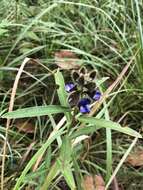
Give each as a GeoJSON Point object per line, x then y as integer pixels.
{"type": "Point", "coordinates": [26, 126]}
{"type": "Point", "coordinates": [136, 158]}
{"type": "Point", "coordinates": [93, 183]}
{"type": "Point", "coordinates": [99, 182]}
{"type": "Point", "coordinates": [88, 183]}
{"type": "Point", "coordinates": [66, 59]}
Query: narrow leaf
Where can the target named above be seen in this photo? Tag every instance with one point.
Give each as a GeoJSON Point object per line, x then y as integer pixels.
{"type": "Point", "coordinates": [61, 89]}
{"type": "Point", "coordinates": [68, 175]}
{"type": "Point", "coordinates": [84, 131]}
{"type": "Point", "coordinates": [66, 151]}
{"type": "Point", "coordinates": [40, 152]}
{"type": "Point", "coordinates": [62, 93]}
{"type": "Point", "coordinates": [54, 171]}
{"type": "Point", "coordinates": [35, 111]}
{"type": "Point", "coordinates": [109, 124]}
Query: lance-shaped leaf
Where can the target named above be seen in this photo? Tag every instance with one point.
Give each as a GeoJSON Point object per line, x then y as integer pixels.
{"type": "Point", "coordinates": [102, 123]}
{"type": "Point", "coordinates": [61, 92]}
{"type": "Point", "coordinates": [35, 111]}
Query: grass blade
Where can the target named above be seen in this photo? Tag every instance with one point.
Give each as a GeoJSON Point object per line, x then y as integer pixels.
{"type": "Point", "coordinates": [40, 152]}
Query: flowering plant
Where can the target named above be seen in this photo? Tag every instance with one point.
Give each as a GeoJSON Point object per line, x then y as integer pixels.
{"type": "Point", "coordinates": [82, 90]}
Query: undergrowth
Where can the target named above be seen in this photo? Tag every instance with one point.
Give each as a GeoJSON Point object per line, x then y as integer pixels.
{"type": "Point", "coordinates": [59, 146]}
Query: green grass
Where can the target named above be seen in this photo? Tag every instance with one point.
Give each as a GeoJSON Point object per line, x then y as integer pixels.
{"type": "Point", "coordinates": [105, 35]}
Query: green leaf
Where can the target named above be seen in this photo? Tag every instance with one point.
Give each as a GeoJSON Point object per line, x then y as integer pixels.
{"type": "Point", "coordinates": [61, 89]}
{"type": "Point", "coordinates": [54, 171]}
{"type": "Point", "coordinates": [78, 175]}
{"type": "Point", "coordinates": [3, 31]}
{"type": "Point", "coordinates": [65, 160]}
{"type": "Point", "coordinates": [100, 123]}
{"type": "Point", "coordinates": [61, 92]}
{"type": "Point", "coordinates": [100, 81]}
{"type": "Point", "coordinates": [84, 131]}
{"type": "Point", "coordinates": [66, 151]}
{"type": "Point", "coordinates": [35, 111]}
{"type": "Point", "coordinates": [32, 36]}
{"type": "Point", "coordinates": [40, 152]}
{"type": "Point", "coordinates": [68, 175]}
{"type": "Point", "coordinates": [63, 165]}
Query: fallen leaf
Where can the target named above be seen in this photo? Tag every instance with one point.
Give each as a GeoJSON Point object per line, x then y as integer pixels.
{"type": "Point", "coordinates": [26, 126]}
{"type": "Point", "coordinates": [136, 158]}
{"type": "Point", "coordinates": [88, 183]}
{"type": "Point", "coordinates": [99, 182]}
{"type": "Point", "coordinates": [93, 183]}
{"type": "Point", "coordinates": [66, 59]}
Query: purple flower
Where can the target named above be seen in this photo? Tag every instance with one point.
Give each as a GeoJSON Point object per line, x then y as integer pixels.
{"type": "Point", "coordinates": [84, 109]}
{"type": "Point", "coordinates": [96, 95]}
{"type": "Point", "coordinates": [84, 102]}
{"type": "Point", "coordinates": [69, 87]}
{"type": "Point", "coordinates": [84, 105]}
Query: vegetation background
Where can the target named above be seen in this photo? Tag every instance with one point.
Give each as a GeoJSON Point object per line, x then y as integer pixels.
{"type": "Point", "coordinates": [106, 35]}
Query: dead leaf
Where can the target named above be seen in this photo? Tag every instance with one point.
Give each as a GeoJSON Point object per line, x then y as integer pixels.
{"type": "Point", "coordinates": [99, 182]}
{"type": "Point", "coordinates": [136, 158]}
{"type": "Point", "coordinates": [26, 126]}
{"type": "Point", "coordinates": [88, 183]}
{"type": "Point", "coordinates": [67, 59]}
{"type": "Point", "coordinates": [93, 183]}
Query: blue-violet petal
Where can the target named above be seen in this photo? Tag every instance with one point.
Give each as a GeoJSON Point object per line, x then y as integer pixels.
{"type": "Point", "coordinates": [84, 102]}
{"type": "Point", "coordinates": [96, 95]}
{"type": "Point", "coordinates": [69, 87]}
{"type": "Point", "coordinates": [84, 109]}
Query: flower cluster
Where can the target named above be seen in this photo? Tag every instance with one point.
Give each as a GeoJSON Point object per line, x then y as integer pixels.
{"type": "Point", "coordinates": [83, 103]}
